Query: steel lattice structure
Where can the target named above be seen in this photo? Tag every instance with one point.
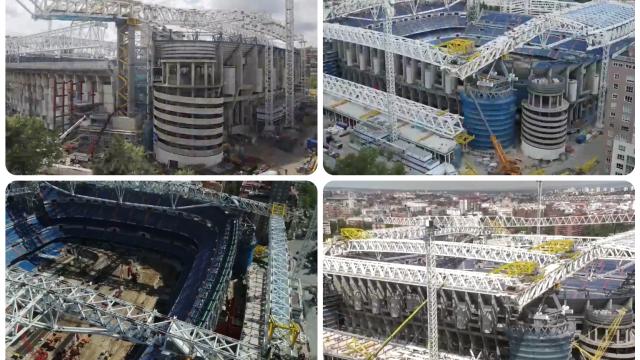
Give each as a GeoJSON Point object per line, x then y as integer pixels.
{"type": "Point", "coordinates": [228, 21]}
{"type": "Point", "coordinates": [619, 247]}
{"type": "Point", "coordinates": [43, 301]}
{"type": "Point", "coordinates": [278, 302]}
{"type": "Point", "coordinates": [344, 8]}
{"type": "Point", "coordinates": [444, 124]}
{"type": "Point", "coordinates": [177, 189]}
{"type": "Point", "coordinates": [484, 252]}
{"type": "Point", "coordinates": [483, 283]}
{"type": "Point", "coordinates": [534, 7]}
{"type": "Point", "coordinates": [235, 23]}
{"type": "Point", "coordinates": [289, 70]}
{"type": "Point", "coordinates": [82, 40]}
{"type": "Point", "coordinates": [339, 343]}
{"type": "Point", "coordinates": [598, 23]}
{"type": "Point", "coordinates": [493, 222]}
{"type": "Point", "coordinates": [418, 232]}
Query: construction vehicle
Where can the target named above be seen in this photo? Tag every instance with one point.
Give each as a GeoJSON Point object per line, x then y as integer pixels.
{"type": "Point", "coordinates": [587, 167]}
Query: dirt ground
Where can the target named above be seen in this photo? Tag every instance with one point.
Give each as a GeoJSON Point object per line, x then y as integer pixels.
{"type": "Point", "coordinates": [282, 161]}
{"type": "Point", "coordinates": [106, 272]}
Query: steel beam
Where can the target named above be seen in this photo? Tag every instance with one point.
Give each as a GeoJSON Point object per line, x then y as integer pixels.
{"type": "Point", "coordinates": [494, 222]}
{"type": "Point", "coordinates": [477, 282]}
{"type": "Point", "coordinates": [349, 345]}
{"type": "Point", "coordinates": [442, 123]}
{"type": "Point", "coordinates": [184, 189]}
{"type": "Point", "coordinates": [278, 301]}
{"type": "Point", "coordinates": [598, 23]}
{"type": "Point", "coordinates": [42, 301]}
{"type": "Point", "coordinates": [500, 254]}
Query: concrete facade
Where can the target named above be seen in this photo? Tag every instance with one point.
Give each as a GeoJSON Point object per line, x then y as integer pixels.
{"type": "Point", "coordinates": [205, 92]}
{"type": "Point", "coordinates": [36, 89]}
{"type": "Point", "coordinates": [544, 119]}
{"type": "Point", "coordinates": [620, 113]}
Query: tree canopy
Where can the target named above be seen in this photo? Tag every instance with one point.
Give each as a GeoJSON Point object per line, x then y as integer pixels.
{"type": "Point", "coordinates": [308, 194]}
{"type": "Point", "coordinates": [124, 158]}
{"type": "Point", "coordinates": [30, 145]}
{"type": "Point", "coordinates": [366, 162]}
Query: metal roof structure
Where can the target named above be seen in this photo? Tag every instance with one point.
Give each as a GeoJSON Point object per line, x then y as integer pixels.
{"type": "Point", "coordinates": [279, 306]}
{"type": "Point", "coordinates": [40, 300]}
{"type": "Point", "coordinates": [442, 123]}
{"type": "Point", "coordinates": [520, 291]}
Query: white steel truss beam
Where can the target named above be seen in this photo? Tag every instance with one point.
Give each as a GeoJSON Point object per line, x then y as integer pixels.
{"type": "Point", "coordinates": [442, 123]}
{"type": "Point", "coordinates": [234, 21]}
{"type": "Point", "coordinates": [82, 40]}
{"type": "Point", "coordinates": [509, 221]}
{"type": "Point", "coordinates": [484, 283]}
{"type": "Point", "coordinates": [419, 232]}
{"type": "Point", "coordinates": [566, 269]}
{"type": "Point", "coordinates": [289, 92]}
{"type": "Point", "coordinates": [344, 8]}
{"type": "Point", "coordinates": [186, 190]}
{"type": "Point", "coordinates": [619, 247]}
{"type": "Point", "coordinates": [41, 301]}
{"type": "Point", "coordinates": [279, 301]}
{"type": "Point", "coordinates": [598, 23]}
{"type": "Point", "coordinates": [534, 7]}
{"type": "Point", "coordinates": [340, 343]}
{"type": "Point", "coordinates": [500, 254]}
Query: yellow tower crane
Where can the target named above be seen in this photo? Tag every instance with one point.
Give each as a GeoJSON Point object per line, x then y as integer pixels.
{"type": "Point", "coordinates": [606, 341]}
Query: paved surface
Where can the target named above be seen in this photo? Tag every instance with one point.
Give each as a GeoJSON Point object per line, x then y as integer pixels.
{"type": "Point", "coordinates": [282, 161]}
{"type": "Point", "coordinates": [298, 250]}
{"type": "Point", "coordinates": [582, 153]}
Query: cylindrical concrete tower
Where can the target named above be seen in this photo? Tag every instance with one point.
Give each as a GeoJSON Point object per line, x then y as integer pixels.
{"type": "Point", "coordinates": [544, 119]}
{"type": "Point", "coordinates": [187, 106]}
{"type": "Point", "coordinates": [546, 337]}
{"type": "Point", "coordinates": [598, 322]}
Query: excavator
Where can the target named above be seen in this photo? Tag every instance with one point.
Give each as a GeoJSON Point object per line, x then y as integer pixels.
{"type": "Point", "coordinates": [507, 166]}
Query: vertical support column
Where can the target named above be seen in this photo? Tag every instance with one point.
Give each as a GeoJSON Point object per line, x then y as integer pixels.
{"type": "Point", "coordinates": [99, 98]}
{"type": "Point", "coordinates": [289, 66]}
{"type": "Point", "coordinates": [131, 62]}
{"type": "Point", "coordinates": [602, 86]}
{"type": "Point", "coordinates": [120, 88]}
{"type": "Point", "coordinates": [268, 86]}
{"type": "Point", "coordinates": [390, 70]}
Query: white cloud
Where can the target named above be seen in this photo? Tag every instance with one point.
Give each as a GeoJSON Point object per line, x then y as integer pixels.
{"type": "Point", "coordinates": [19, 21]}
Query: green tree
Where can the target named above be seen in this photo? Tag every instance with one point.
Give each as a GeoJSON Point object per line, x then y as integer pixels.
{"type": "Point", "coordinates": [30, 146]}
{"type": "Point", "coordinates": [308, 194]}
{"type": "Point", "coordinates": [185, 171]}
{"type": "Point", "coordinates": [365, 162]}
{"type": "Point", "coordinates": [124, 158]}
{"type": "Point", "coordinates": [397, 169]}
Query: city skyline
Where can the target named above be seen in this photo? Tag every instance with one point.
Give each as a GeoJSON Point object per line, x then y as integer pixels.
{"type": "Point", "coordinates": [501, 186]}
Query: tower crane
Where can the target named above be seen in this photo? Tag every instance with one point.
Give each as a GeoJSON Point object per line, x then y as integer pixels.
{"type": "Point", "coordinates": [606, 341]}
{"type": "Point", "coordinates": [390, 70]}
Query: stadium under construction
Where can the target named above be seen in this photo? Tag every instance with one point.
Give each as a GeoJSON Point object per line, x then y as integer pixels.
{"type": "Point", "coordinates": [473, 87]}
{"type": "Point", "coordinates": [480, 287]}
{"type": "Point", "coordinates": [158, 270]}
{"type": "Point", "coordinates": [219, 91]}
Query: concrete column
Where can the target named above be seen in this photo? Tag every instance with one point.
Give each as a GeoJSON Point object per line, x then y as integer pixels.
{"type": "Point", "coordinates": [193, 74]}
{"type": "Point", "coordinates": [99, 90]}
